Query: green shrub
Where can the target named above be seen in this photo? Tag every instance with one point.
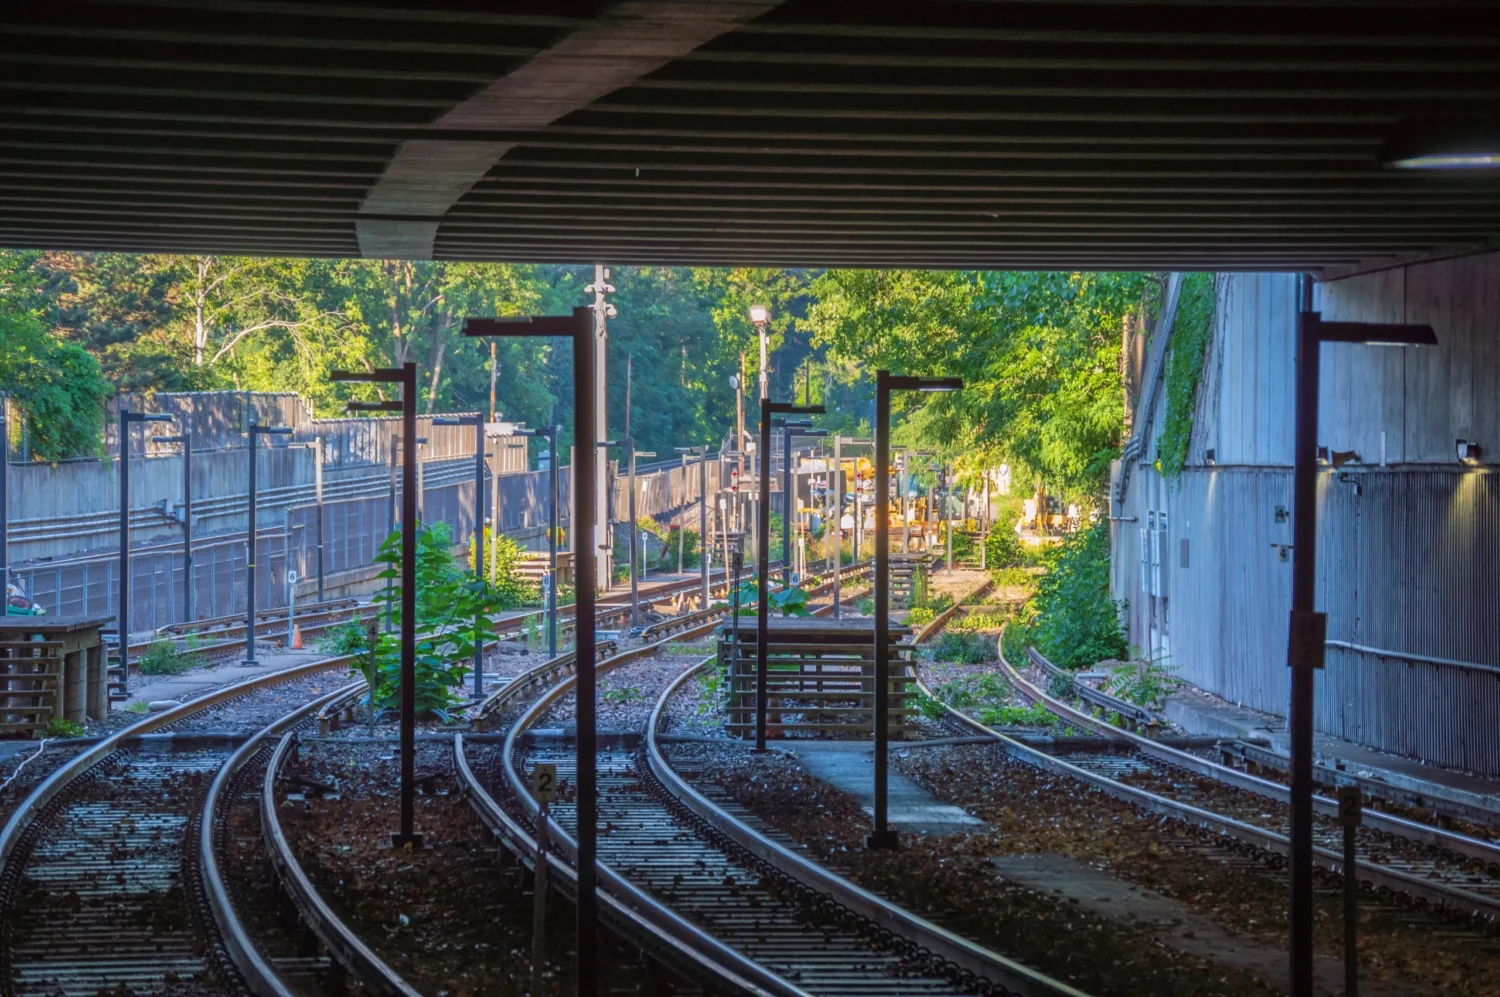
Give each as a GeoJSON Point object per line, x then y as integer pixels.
{"type": "Point", "coordinates": [1077, 622]}
{"type": "Point", "coordinates": [1060, 687]}
{"type": "Point", "coordinates": [511, 589]}
{"type": "Point", "coordinates": [930, 708]}
{"type": "Point", "coordinates": [1144, 683]}
{"type": "Point", "coordinates": [1035, 715]}
{"type": "Point", "coordinates": [161, 657]}
{"type": "Point", "coordinates": [1003, 549]}
{"type": "Point", "coordinates": [346, 638]}
{"type": "Point", "coordinates": [139, 706]}
{"type": "Point", "coordinates": [976, 622]}
{"type": "Point", "coordinates": [967, 649]}
{"type": "Point", "coordinates": [866, 606]}
{"type": "Point", "coordinates": [1015, 575]}
{"type": "Point", "coordinates": [920, 617]}
{"type": "Point", "coordinates": [58, 727]}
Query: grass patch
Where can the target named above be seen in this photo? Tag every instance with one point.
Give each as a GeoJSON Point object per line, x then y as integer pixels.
{"type": "Point", "coordinates": [139, 707]}
{"type": "Point", "coordinates": [58, 727]}
{"type": "Point", "coordinates": [964, 649]}
{"type": "Point", "coordinates": [162, 657]}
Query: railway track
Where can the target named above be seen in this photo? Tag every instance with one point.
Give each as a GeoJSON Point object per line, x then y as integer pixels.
{"type": "Point", "coordinates": [101, 886]}
{"type": "Point", "coordinates": [749, 910]}
{"type": "Point", "coordinates": [1409, 857]}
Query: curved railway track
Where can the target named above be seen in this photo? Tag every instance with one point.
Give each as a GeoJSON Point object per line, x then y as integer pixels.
{"type": "Point", "coordinates": [748, 910]}
{"type": "Point", "coordinates": [1409, 857]}
{"type": "Point", "coordinates": [101, 887]}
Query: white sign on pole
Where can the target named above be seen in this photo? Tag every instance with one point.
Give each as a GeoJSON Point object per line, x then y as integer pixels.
{"type": "Point", "coordinates": [544, 782]}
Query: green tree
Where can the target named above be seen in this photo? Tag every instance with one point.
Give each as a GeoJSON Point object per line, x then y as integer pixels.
{"type": "Point", "coordinates": [56, 385]}
{"type": "Point", "coordinates": [1077, 622]}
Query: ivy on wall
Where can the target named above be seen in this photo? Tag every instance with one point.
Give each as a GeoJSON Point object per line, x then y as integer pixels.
{"type": "Point", "coordinates": [1191, 334]}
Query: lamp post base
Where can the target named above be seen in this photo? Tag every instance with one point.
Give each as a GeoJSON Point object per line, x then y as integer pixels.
{"type": "Point", "coordinates": [399, 840]}
{"type": "Point", "coordinates": [886, 840]}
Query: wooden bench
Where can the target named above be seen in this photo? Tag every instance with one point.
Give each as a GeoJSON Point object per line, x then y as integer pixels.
{"type": "Point", "coordinates": [820, 678]}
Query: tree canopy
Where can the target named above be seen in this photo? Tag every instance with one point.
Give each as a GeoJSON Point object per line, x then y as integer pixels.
{"type": "Point", "coordinates": [1039, 352]}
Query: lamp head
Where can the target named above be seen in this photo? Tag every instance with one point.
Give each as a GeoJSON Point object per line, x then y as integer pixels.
{"type": "Point", "coordinates": [760, 314]}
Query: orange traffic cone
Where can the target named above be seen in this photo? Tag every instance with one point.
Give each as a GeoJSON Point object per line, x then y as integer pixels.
{"type": "Point", "coordinates": [296, 637]}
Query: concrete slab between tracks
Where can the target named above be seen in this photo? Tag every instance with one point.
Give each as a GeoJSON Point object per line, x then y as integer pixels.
{"type": "Point", "coordinates": [1178, 926]}
{"type": "Point", "coordinates": [200, 680]}
{"type": "Point", "coordinates": [850, 767]}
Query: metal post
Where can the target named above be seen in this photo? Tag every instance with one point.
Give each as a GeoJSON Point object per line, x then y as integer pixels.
{"type": "Point", "coordinates": [1351, 802]}
{"type": "Point", "coordinates": [837, 481]}
{"type": "Point", "coordinates": [635, 594]}
{"type": "Point", "coordinates": [762, 564]}
{"type": "Point", "coordinates": [539, 896]}
{"type": "Point", "coordinates": [4, 498]}
{"type": "Point", "coordinates": [185, 440]}
{"type": "Point", "coordinates": [552, 540]}
{"type": "Point", "coordinates": [478, 551]}
{"type": "Point", "coordinates": [580, 329]}
{"type": "Point", "coordinates": [948, 514]}
{"type": "Point", "coordinates": [883, 836]}
{"type": "Point", "coordinates": [902, 485]}
{"type": "Point", "coordinates": [787, 504]}
{"type": "Point", "coordinates": [255, 430]}
{"type": "Point", "coordinates": [391, 528]}
{"type": "Point", "coordinates": [122, 617]}
{"type": "Point", "coordinates": [1304, 624]}
{"type": "Point", "coordinates": [407, 834]}
{"type": "Point", "coordinates": [318, 500]}
{"type": "Point", "coordinates": [703, 547]}
{"type": "Point", "coordinates": [682, 518]}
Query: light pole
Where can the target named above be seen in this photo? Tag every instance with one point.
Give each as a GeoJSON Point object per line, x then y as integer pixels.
{"type": "Point", "coordinates": [702, 453]}
{"type": "Point", "coordinates": [1308, 628]}
{"type": "Point", "coordinates": [477, 421]}
{"type": "Point", "coordinates": [255, 431]}
{"type": "Point", "coordinates": [128, 417]}
{"type": "Point", "coordinates": [578, 327]}
{"type": "Point", "coordinates": [550, 433]}
{"type": "Point", "coordinates": [763, 554]}
{"type": "Point", "coordinates": [760, 317]}
{"type": "Point", "coordinates": [406, 377]}
{"type": "Point", "coordinates": [185, 440]}
{"type": "Point", "coordinates": [883, 836]}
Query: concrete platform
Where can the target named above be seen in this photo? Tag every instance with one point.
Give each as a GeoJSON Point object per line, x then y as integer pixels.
{"type": "Point", "coordinates": [850, 766]}
{"type": "Point", "coordinates": [200, 680]}
{"type": "Point", "coordinates": [1200, 713]}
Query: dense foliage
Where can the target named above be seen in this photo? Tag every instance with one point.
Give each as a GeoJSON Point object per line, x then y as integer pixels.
{"type": "Point", "coordinates": [1191, 333]}
{"type": "Point", "coordinates": [1076, 621]}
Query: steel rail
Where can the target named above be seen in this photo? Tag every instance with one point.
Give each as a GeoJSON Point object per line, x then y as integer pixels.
{"type": "Point", "coordinates": [638, 907]}
{"type": "Point", "coordinates": [1426, 834]}
{"type": "Point", "coordinates": [938, 942]}
{"type": "Point", "coordinates": [45, 791]}
{"type": "Point", "coordinates": [1250, 834]}
{"type": "Point", "coordinates": [257, 973]}
{"type": "Point", "coordinates": [343, 945]}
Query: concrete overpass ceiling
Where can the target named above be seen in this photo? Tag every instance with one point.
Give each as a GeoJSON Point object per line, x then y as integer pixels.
{"type": "Point", "coordinates": [941, 133]}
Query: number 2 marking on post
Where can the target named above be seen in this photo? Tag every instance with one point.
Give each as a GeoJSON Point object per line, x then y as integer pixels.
{"type": "Point", "coordinates": [544, 783]}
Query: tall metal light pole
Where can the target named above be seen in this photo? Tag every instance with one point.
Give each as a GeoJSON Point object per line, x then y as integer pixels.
{"type": "Point", "coordinates": [477, 421]}
{"type": "Point", "coordinates": [603, 549]}
{"type": "Point", "coordinates": [763, 555]}
{"type": "Point", "coordinates": [128, 417]}
{"type": "Point", "coordinates": [404, 376]}
{"type": "Point", "coordinates": [185, 440]}
{"type": "Point", "coordinates": [703, 546]}
{"type": "Point", "coordinates": [1308, 628]}
{"type": "Point", "coordinates": [550, 433]}
{"type": "Point", "coordinates": [255, 432]}
{"type": "Point", "coordinates": [883, 836]}
{"type": "Point", "coordinates": [579, 328]}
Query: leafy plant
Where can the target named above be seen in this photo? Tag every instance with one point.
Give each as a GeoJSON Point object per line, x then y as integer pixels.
{"type": "Point", "coordinates": [59, 727]}
{"type": "Point", "coordinates": [866, 606]}
{"type": "Point", "coordinates": [616, 695]}
{"type": "Point", "coordinates": [1060, 687]}
{"type": "Point", "coordinates": [1191, 333]}
{"type": "Point", "coordinates": [715, 689]}
{"type": "Point", "coordinates": [969, 649]}
{"type": "Point", "coordinates": [1144, 683]}
{"type": "Point", "coordinates": [920, 617]}
{"type": "Point", "coordinates": [346, 638]}
{"type": "Point", "coordinates": [1034, 715]}
{"type": "Point", "coordinates": [139, 706]}
{"type": "Point", "coordinates": [162, 657]}
{"type": "Point", "coordinates": [976, 622]}
{"type": "Point", "coordinates": [1014, 576]}
{"type": "Point", "coordinates": [930, 708]}
{"type": "Point", "coordinates": [510, 587]}
{"type": "Point", "coordinates": [1003, 549]}
{"type": "Point", "coordinates": [789, 601]}
{"type": "Point", "coordinates": [447, 602]}
{"type": "Point", "coordinates": [1077, 621]}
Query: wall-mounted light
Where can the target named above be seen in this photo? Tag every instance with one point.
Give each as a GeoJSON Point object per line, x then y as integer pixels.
{"type": "Point", "coordinates": [1209, 457]}
{"type": "Point", "coordinates": [1322, 455]}
{"type": "Point", "coordinates": [1468, 451]}
{"type": "Point", "coordinates": [1442, 144]}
